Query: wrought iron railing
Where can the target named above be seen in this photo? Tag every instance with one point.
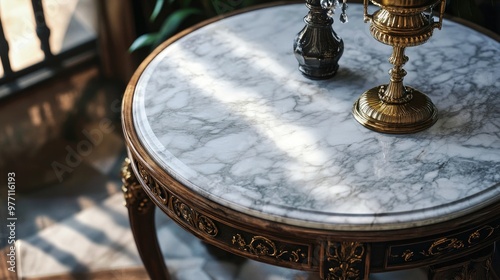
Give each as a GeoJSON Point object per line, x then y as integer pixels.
{"type": "Point", "coordinates": [13, 81]}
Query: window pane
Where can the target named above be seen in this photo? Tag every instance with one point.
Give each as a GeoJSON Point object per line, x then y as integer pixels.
{"type": "Point", "coordinates": [71, 23]}
{"type": "Point", "coordinates": [19, 28]}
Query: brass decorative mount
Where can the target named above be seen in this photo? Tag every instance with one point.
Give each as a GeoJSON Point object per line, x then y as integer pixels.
{"type": "Point", "coordinates": [395, 108]}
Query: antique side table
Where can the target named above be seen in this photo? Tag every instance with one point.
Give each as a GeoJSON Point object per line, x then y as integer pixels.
{"type": "Point", "coordinates": [229, 140]}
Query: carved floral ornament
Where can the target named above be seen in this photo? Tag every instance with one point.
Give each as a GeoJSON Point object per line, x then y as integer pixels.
{"type": "Point", "coordinates": [132, 190]}
{"type": "Point", "coordinates": [448, 244]}
{"type": "Point", "coordinates": [347, 259]}
{"type": "Point", "coordinates": [263, 246]}
{"type": "Point", "coordinates": [258, 246]}
{"type": "Point", "coordinates": [196, 220]}
{"type": "Point", "coordinates": [133, 193]}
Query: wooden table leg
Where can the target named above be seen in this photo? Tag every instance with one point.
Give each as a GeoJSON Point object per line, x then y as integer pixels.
{"type": "Point", "coordinates": [141, 212]}
{"type": "Point", "coordinates": [477, 266]}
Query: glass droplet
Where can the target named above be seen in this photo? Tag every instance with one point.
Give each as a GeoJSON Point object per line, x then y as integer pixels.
{"type": "Point", "coordinates": [343, 15]}
{"type": "Point", "coordinates": [326, 4]}
{"type": "Point", "coordinates": [343, 18]}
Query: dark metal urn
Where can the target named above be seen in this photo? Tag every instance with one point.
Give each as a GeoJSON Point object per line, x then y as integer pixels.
{"type": "Point", "coordinates": [317, 47]}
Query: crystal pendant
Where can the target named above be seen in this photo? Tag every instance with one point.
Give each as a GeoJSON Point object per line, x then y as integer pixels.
{"type": "Point", "coordinates": [325, 4]}
{"type": "Point", "coordinates": [343, 15]}
{"type": "Point", "coordinates": [329, 5]}
{"type": "Point", "coordinates": [330, 13]}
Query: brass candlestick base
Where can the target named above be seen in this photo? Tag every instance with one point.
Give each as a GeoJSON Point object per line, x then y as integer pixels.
{"type": "Point", "coordinates": [395, 108]}
{"type": "Point", "coordinates": [415, 115]}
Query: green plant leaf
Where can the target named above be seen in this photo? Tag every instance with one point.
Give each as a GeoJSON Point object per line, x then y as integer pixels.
{"type": "Point", "coordinates": [143, 41]}
{"type": "Point", "coordinates": [172, 23]}
{"type": "Point", "coordinates": [156, 10]}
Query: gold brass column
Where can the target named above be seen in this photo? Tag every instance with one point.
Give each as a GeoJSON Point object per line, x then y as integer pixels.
{"type": "Point", "coordinates": [396, 108]}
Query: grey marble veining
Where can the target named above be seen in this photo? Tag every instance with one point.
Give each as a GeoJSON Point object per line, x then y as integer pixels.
{"type": "Point", "coordinates": [226, 111]}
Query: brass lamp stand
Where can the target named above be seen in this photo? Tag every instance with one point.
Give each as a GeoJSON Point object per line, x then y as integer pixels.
{"type": "Point", "coordinates": [395, 108]}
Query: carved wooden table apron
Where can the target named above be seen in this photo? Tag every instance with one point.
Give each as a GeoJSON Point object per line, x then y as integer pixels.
{"type": "Point", "coordinates": [231, 142]}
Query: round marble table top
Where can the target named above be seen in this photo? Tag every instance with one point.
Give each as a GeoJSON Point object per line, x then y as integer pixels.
{"type": "Point", "coordinates": [225, 111]}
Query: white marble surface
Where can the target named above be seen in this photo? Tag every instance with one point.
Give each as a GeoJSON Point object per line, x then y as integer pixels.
{"type": "Point", "coordinates": [225, 110]}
